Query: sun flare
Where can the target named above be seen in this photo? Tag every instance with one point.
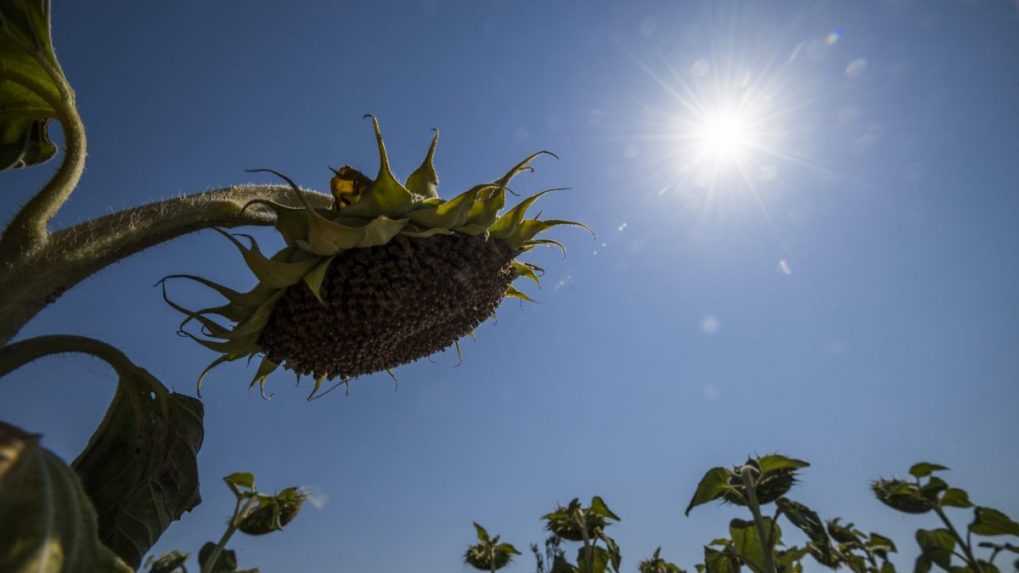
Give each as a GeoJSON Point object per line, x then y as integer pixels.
{"type": "Point", "coordinates": [724, 136]}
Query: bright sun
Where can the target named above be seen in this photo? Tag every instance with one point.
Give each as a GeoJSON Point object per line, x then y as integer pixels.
{"type": "Point", "coordinates": [724, 136]}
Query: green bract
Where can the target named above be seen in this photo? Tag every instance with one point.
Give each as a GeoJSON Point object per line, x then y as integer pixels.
{"type": "Point", "coordinates": [389, 274]}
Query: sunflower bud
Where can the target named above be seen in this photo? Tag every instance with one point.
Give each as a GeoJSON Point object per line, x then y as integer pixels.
{"type": "Point", "coordinates": [902, 495]}
{"type": "Point", "coordinates": [273, 513]}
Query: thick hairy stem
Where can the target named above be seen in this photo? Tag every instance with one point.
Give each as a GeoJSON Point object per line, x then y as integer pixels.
{"type": "Point", "coordinates": [16, 355]}
{"type": "Point", "coordinates": [72, 255]}
{"type": "Point", "coordinates": [27, 232]}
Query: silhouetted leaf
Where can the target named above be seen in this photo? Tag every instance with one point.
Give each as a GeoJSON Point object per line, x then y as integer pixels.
{"type": "Point", "coordinates": [844, 533]}
{"type": "Point", "coordinates": [170, 562]}
{"type": "Point", "coordinates": [47, 524]}
{"type": "Point", "coordinates": [789, 561]}
{"type": "Point", "coordinates": [777, 462]}
{"type": "Point", "coordinates": [881, 545]}
{"type": "Point", "coordinates": [713, 485]}
{"type": "Point", "coordinates": [26, 89]}
{"type": "Point", "coordinates": [592, 559]}
{"type": "Point", "coordinates": [140, 467]}
{"type": "Point", "coordinates": [807, 521]}
{"type": "Point", "coordinates": [599, 508]}
{"type": "Point", "coordinates": [240, 481]}
{"type": "Point", "coordinates": [226, 562]}
{"type": "Point", "coordinates": [924, 469]}
{"type": "Point", "coordinates": [988, 521]}
{"type": "Point", "coordinates": [936, 545]}
{"type": "Point", "coordinates": [719, 561]}
{"type": "Point", "coordinates": [933, 488]}
{"type": "Point", "coordinates": [955, 497]}
{"type": "Point", "coordinates": [749, 546]}
{"type": "Point", "coordinates": [658, 565]}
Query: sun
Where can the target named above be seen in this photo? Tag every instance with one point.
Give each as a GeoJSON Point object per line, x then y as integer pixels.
{"type": "Point", "coordinates": [724, 136]}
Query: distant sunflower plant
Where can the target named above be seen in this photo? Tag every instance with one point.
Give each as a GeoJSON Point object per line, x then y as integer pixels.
{"type": "Point", "coordinates": [388, 274]}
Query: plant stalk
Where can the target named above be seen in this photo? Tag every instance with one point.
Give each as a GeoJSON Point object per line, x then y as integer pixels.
{"type": "Point", "coordinates": [27, 232]}
{"type": "Point", "coordinates": [749, 485]}
{"type": "Point", "coordinates": [958, 539]}
{"type": "Point", "coordinates": [235, 522]}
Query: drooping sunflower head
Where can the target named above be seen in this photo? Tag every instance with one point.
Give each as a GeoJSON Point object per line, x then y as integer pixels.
{"type": "Point", "coordinates": [389, 274]}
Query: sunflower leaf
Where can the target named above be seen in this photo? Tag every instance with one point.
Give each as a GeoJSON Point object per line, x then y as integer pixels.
{"type": "Point", "coordinates": [28, 93]}
{"type": "Point", "coordinates": [139, 467]}
{"type": "Point", "coordinates": [47, 523]}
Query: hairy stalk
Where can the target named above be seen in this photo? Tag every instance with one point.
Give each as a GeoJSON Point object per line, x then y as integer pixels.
{"type": "Point", "coordinates": [73, 254]}
{"type": "Point", "coordinates": [27, 232]}
{"type": "Point", "coordinates": [14, 356]}
{"type": "Point", "coordinates": [749, 485]}
{"type": "Point", "coordinates": [958, 539]}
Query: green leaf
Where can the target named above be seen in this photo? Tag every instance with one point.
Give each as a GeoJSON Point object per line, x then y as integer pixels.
{"type": "Point", "coordinates": [807, 521]}
{"type": "Point", "coordinates": [239, 481]}
{"type": "Point", "coordinates": [482, 534]}
{"type": "Point", "coordinates": [656, 564]}
{"type": "Point", "coordinates": [776, 462]}
{"type": "Point", "coordinates": [989, 522]}
{"type": "Point", "coordinates": [887, 567]}
{"type": "Point", "coordinates": [47, 524]}
{"type": "Point", "coordinates": [424, 181]}
{"type": "Point", "coordinates": [878, 541]}
{"type": "Point", "coordinates": [28, 93]}
{"type": "Point", "coordinates": [139, 467]}
{"type": "Point", "coordinates": [933, 487]}
{"type": "Point", "coordinates": [955, 497]}
{"type": "Point", "coordinates": [923, 564]}
{"type": "Point", "coordinates": [226, 561]}
{"type": "Point", "coordinates": [592, 559]}
{"type": "Point", "coordinates": [713, 485]}
{"type": "Point", "coordinates": [789, 561]}
{"type": "Point", "coordinates": [170, 562]}
{"type": "Point", "coordinates": [599, 508]}
{"type": "Point", "coordinates": [615, 555]}
{"type": "Point", "coordinates": [924, 469]}
{"type": "Point", "coordinates": [749, 546]}
{"type": "Point", "coordinates": [936, 545]}
{"type": "Point", "coordinates": [719, 561]}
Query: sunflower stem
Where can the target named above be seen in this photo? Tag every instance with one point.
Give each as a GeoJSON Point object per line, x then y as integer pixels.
{"type": "Point", "coordinates": [971, 560]}
{"type": "Point", "coordinates": [235, 522]}
{"type": "Point", "coordinates": [27, 232]}
{"type": "Point", "coordinates": [71, 255]}
{"type": "Point", "coordinates": [749, 485]}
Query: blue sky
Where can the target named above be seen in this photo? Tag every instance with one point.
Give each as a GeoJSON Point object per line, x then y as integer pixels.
{"type": "Point", "coordinates": [843, 291]}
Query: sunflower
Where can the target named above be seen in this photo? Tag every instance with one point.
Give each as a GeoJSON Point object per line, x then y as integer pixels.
{"type": "Point", "coordinates": [390, 273]}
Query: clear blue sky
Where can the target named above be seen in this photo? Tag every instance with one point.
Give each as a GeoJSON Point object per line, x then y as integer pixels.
{"type": "Point", "coordinates": [844, 292]}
